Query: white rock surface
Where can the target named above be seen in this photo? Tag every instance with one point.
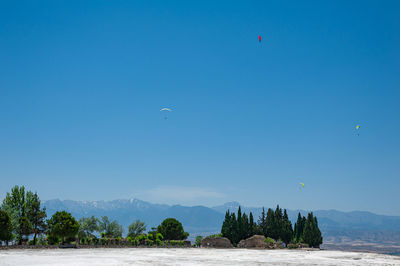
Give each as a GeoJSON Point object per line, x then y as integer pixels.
{"type": "Point", "coordinates": [154, 256]}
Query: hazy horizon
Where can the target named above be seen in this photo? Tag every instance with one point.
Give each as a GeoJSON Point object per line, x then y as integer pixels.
{"type": "Point", "coordinates": [83, 83]}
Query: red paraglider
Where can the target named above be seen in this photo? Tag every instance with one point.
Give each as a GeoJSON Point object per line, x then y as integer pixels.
{"type": "Point", "coordinates": [259, 38]}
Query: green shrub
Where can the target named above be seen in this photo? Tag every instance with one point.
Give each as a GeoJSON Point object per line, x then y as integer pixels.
{"type": "Point", "coordinates": [270, 241]}
{"type": "Point", "coordinates": [172, 242]}
{"type": "Point", "coordinates": [53, 240]}
{"type": "Point", "coordinates": [159, 236]}
{"type": "Point", "coordinates": [141, 239]}
{"type": "Point", "coordinates": [180, 243]}
{"type": "Point", "coordinates": [104, 241]}
{"type": "Point", "coordinates": [149, 242]}
{"type": "Point", "coordinates": [30, 242]}
{"type": "Point", "coordinates": [215, 236]}
{"type": "Point", "coordinates": [117, 240]}
{"type": "Point", "coordinates": [292, 246]}
{"type": "Point", "coordinates": [159, 242]}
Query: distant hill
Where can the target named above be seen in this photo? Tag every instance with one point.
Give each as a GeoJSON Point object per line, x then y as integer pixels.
{"type": "Point", "coordinates": [338, 228]}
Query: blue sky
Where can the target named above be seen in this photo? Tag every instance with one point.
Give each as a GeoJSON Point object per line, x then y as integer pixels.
{"type": "Point", "coordinates": [82, 83]}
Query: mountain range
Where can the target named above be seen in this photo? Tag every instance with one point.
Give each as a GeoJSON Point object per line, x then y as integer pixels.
{"type": "Point", "coordinates": [354, 229]}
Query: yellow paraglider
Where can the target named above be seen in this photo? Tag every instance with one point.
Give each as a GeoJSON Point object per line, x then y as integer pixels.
{"type": "Point", "coordinates": [302, 184]}
{"type": "Point", "coordinates": [357, 128]}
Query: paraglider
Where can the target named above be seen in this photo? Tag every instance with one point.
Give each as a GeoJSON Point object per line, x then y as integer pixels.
{"type": "Point", "coordinates": [259, 38]}
{"type": "Point", "coordinates": [302, 184]}
{"type": "Point", "coordinates": [357, 128]}
{"type": "Point", "coordinates": [165, 110]}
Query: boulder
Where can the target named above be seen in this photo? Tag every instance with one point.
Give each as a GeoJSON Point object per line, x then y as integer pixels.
{"type": "Point", "coordinates": [256, 241]}
{"type": "Point", "coordinates": [216, 242]}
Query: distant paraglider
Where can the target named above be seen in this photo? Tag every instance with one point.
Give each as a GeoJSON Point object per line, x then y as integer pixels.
{"type": "Point", "coordinates": [302, 184]}
{"type": "Point", "coordinates": [259, 38]}
{"type": "Point", "coordinates": [165, 111]}
{"type": "Point", "coordinates": [357, 130]}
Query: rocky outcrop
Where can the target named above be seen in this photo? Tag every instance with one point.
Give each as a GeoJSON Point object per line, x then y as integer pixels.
{"type": "Point", "coordinates": [256, 241]}
{"type": "Point", "coordinates": [216, 242]}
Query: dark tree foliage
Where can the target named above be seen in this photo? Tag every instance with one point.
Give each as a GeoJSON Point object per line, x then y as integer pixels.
{"type": "Point", "coordinates": [36, 215]}
{"type": "Point", "coordinates": [63, 225]}
{"type": "Point", "coordinates": [286, 229]}
{"type": "Point", "coordinates": [311, 234]}
{"type": "Point", "coordinates": [15, 204]}
{"type": "Point", "coordinates": [262, 223]}
{"type": "Point", "coordinates": [172, 229]}
{"type": "Point", "coordinates": [252, 225]}
{"type": "Point", "coordinates": [5, 227]}
{"type": "Point", "coordinates": [270, 224]}
{"type": "Point", "coordinates": [236, 229]}
{"type": "Point", "coordinates": [278, 226]}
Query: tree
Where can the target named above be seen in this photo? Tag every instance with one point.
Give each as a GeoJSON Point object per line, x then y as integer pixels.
{"type": "Point", "coordinates": [87, 226]}
{"type": "Point", "coordinates": [5, 227]}
{"type": "Point", "coordinates": [226, 225]}
{"type": "Point", "coordinates": [317, 234]}
{"type": "Point", "coordinates": [312, 235]}
{"type": "Point", "coordinates": [63, 225]}
{"type": "Point", "coordinates": [172, 229]}
{"type": "Point", "coordinates": [15, 205]}
{"type": "Point", "coordinates": [110, 229]}
{"type": "Point", "coordinates": [278, 223]}
{"type": "Point", "coordinates": [36, 214]}
{"type": "Point", "coordinates": [252, 229]}
{"type": "Point", "coordinates": [287, 230]}
{"type": "Point", "coordinates": [270, 224]}
{"type": "Point", "coordinates": [198, 241]}
{"type": "Point", "coordinates": [136, 228]}
{"type": "Point", "coordinates": [262, 223]}
{"type": "Point", "coordinates": [299, 228]}
{"type": "Point", "coordinates": [245, 227]}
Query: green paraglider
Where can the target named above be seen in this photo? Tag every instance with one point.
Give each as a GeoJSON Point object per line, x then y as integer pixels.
{"type": "Point", "coordinates": [302, 184]}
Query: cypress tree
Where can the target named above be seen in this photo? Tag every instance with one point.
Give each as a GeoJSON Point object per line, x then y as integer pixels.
{"type": "Point", "coordinates": [278, 223]}
{"type": "Point", "coordinates": [245, 227]}
{"type": "Point", "coordinates": [234, 230]}
{"type": "Point", "coordinates": [317, 234]}
{"type": "Point", "coordinates": [239, 225]}
{"type": "Point", "coordinates": [225, 230]}
{"type": "Point", "coordinates": [251, 225]}
{"type": "Point", "coordinates": [262, 223]}
{"type": "Point", "coordinates": [269, 223]}
{"type": "Point", "coordinates": [298, 228]}
{"type": "Point", "coordinates": [287, 230]}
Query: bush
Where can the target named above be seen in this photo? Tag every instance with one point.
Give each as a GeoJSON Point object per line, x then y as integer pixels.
{"type": "Point", "coordinates": [270, 241]}
{"type": "Point", "coordinates": [104, 241]}
{"type": "Point", "coordinates": [117, 240]}
{"type": "Point", "coordinates": [53, 240]}
{"type": "Point", "coordinates": [30, 243]}
{"type": "Point", "coordinates": [180, 243]}
{"type": "Point", "coordinates": [159, 242]}
{"type": "Point", "coordinates": [214, 236]}
{"type": "Point", "coordinates": [172, 242]}
{"type": "Point", "coordinates": [159, 236]}
{"type": "Point", "coordinates": [292, 246]}
{"type": "Point", "coordinates": [149, 242]}
{"type": "Point", "coordinates": [141, 239]}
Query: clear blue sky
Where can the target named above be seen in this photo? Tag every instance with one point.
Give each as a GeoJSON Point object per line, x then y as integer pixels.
{"type": "Point", "coordinates": [82, 83]}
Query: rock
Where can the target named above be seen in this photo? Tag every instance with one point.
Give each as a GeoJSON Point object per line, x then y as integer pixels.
{"type": "Point", "coordinates": [216, 242]}
{"type": "Point", "coordinates": [256, 241]}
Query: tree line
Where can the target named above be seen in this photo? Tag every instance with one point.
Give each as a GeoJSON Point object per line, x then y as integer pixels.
{"type": "Point", "coordinates": [274, 225]}
{"type": "Point", "coordinates": [22, 216]}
